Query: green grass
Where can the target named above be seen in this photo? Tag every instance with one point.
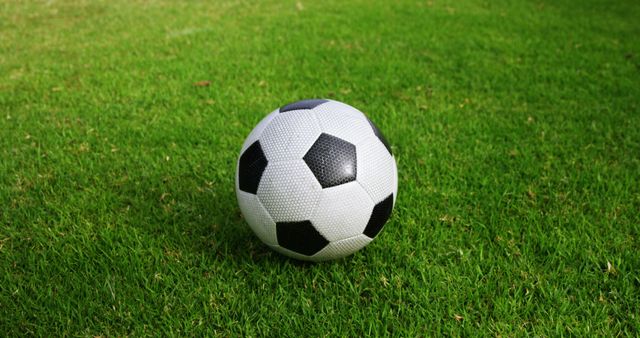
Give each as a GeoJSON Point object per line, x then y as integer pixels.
{"type": "Point", "coordinates": [514, 124]}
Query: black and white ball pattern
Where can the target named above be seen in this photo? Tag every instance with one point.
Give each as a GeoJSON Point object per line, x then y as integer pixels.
{"type": "Point", "coordinates": [316, 180]}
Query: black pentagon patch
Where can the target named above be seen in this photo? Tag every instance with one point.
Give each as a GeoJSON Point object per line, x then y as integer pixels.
{"type": "Point", "coordinates": [380, 136]}
{"type": "Point", "coordinates": [300, 237]}
{"type": "Point", "coordinates": [252, 165]}
{"type": "Point", "coordinates": [379, 217]}
{"type": "Point", "coordinates": [332, 160]}
{"type": "Point", "coordinates": [304, 104]}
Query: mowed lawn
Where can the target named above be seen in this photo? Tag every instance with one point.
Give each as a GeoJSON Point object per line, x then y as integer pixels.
{"type": "Point", "coordinates": [515, 125]}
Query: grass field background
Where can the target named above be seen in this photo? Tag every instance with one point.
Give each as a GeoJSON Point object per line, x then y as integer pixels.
{"type": "Point", "coordinates": [515, 126]}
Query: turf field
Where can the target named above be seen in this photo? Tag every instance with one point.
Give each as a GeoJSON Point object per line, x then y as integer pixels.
{"type": "Point", "coordinates": [514, 125]}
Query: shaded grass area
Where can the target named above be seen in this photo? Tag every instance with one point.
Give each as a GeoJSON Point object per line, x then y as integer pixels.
{"type": "Point", "coordinates": [514, 124]}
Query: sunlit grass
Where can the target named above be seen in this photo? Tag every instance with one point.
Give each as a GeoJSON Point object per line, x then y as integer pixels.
{"type": "Point", "coordinates": [514, 124]}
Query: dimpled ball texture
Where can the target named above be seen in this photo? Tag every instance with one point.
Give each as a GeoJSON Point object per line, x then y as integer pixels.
{"type": "Point", "coordinates": [316, 180]}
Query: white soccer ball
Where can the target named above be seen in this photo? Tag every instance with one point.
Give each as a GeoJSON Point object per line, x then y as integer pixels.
{"type": "Point", "coordinates": [316, 180]}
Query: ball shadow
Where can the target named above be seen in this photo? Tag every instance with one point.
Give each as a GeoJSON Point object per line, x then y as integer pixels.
{"type": "Point", "coordinates": [221, 233]}
{"type": "Point", "coordinates": [197, 219]}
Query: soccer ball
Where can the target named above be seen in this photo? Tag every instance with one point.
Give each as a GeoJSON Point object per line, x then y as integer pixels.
{"type": "Point", "coordinates": [316, 180]}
